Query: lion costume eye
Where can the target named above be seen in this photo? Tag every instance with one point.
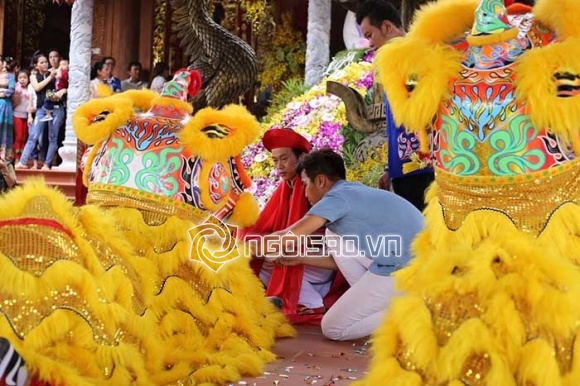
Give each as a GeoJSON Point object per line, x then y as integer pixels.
{"type": "Point", "coordinates": [411, 83]}
{"type": "Point", "coordinates": [216, 131]}
{"type": "Point", "coordinates": [567, 84]}
{"type": "Point", "coordinates": [214, 135]}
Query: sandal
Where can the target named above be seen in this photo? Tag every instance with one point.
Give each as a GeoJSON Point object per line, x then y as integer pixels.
{"type": "Point", "coordinates": [303, 310]}
{"type": "Point", "coordinates": [20, 166]}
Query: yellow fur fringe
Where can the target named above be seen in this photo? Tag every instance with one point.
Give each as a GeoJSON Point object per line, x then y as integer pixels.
{"type": "Point", "coordinates": [405, 59]}
{"type": "Point", "coordinates": [180, 321]}
{"type": "Point", "coordinates": [90, 133]}
{"type": "Point", "coordinates": [486, 300]}
{"type": "Point", "coordinates": [474, 292]}
{"type": "Point", "coordinates": [120, 107]}
{"type": "Point", "coordinates": [242, 125]}
{"type": "Point", "coordinates": [443, 21]}
{"type": "Point", "coordinates": [536, 85]}
{"type": "Point", "coordinates": [561, 15]}
{"type": "Point", "coordinates": [104, 90]}
{"type": "Point", "coordinates": [246, 212]}
{"type": "Point", "coordinates": [141, 100]}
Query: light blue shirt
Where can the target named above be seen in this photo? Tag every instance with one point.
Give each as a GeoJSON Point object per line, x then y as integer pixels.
{"type": "Point", "coordinates": [381, 223]}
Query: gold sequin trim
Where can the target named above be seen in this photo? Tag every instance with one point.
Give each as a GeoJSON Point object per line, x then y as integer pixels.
{"type": "Point", "coordinates": [448, 312]}
{"type": "Point", "coordinates": [194, 278]}
{"type": "Point", "coordinates": [527, 200]}
{"type": "Point", "coordinates": [112, 196]}
{"type": "Point", "coordinates": [475, 369]}
{"type": "Point", "coordinates": [108, 259]}
{"type": "Point", "coordinates": [404, 356]}
{"type": "Point", "coordinates": [41, 207]}
{"type": "Point", "coordinates": [562, 349]}
{"type": "Point", "coordinates": [33, 248]}
{"type": "Point", "coordinates": [564, 352]}
{"type": "Point", "coordinates": [24, 315]}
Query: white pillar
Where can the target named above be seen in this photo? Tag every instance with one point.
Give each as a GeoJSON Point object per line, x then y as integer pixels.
{"type": "Point", "coordinates": [81, 34]}
{"type": "Point", "coordinates": [317, 40]}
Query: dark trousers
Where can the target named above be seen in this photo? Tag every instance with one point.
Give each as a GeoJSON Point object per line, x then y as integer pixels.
{"type": "Point", "coordinates": [412, 188]}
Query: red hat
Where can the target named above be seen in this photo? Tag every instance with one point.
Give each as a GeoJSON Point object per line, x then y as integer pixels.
{"type": "Point", "coordinates": [275, 138]}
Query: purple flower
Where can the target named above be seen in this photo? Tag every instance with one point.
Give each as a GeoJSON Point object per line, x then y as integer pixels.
{"type": "Point", "coordinates": [369, 56]}
{"type": "Point", "coordinates": [366, 81]}
{"type": "Point", "coordinates": [328, 135]}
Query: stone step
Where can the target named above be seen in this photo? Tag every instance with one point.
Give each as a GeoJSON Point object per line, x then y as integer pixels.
{"type": "Point", "coordinates": [65, 181]}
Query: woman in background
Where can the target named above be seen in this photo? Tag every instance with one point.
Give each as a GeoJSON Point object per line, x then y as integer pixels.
{"type": "Point", "coordinates": [7, 87]}
{"type": "Point", "coordinates": [100, 73]}
{"type": "Point", "coordinates": [160, 74]}
{"type": "Point", "coordinates": [42, 81]}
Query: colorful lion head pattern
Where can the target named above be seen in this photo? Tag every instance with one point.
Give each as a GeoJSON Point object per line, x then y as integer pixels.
{"type": "Point", "coordinates": [490, 18]}
{"type": "Point", "coordinates": [483, 130]}
{"type": "Point", "coordinates": [163, 157]}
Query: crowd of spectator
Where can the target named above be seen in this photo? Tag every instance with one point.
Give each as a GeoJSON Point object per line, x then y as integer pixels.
{"type": "Point", "coordinates": [33, 102]}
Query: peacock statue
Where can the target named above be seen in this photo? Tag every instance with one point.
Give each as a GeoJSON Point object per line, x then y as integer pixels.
{"type": "Point", "coordinates": [228, 65]}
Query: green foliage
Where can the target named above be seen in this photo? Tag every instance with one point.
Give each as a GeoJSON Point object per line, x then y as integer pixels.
{"type": "Point", "coordinates": [372, 176]}
{"type": "Point", "coordinates": [352, 138]}
{"type": "Point", "coordinates": [291, 88]}
{"type": "Point", "coordinates": [285, 55]}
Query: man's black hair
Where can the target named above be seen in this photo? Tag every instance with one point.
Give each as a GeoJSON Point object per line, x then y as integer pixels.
{"type": "Point", "coordinates": [297, 152]}
{"type": "Point", "coordinates": [378, 11]}
{"type": "Point", "coordinates": [325, 162]}
{"type": "Point", "coordinates": [134, 64]}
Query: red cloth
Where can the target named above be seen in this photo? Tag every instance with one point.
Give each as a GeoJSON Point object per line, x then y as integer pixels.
{"type": "Point", "coordinates": [62, 82]}
{"type": "Point", "coordinates": [36, 382]}
{"type": "Point", "coordinates": [518, 9]}
{"type": "Point", "coordinates": [286, 206]}
{"type": "Point", "coordinates": [20, 135]}
{"type": "Point", "coordinates": [81, 190]}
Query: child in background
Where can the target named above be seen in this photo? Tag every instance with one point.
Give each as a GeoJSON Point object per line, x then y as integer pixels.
{"type": "Point", "coordinates": [21, 111]}
{"type": "Point", "coordinates": [60, 84]}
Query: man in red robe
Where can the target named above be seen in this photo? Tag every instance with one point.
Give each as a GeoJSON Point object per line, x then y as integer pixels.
{"type": "Point", "coordinates": [306, 292]}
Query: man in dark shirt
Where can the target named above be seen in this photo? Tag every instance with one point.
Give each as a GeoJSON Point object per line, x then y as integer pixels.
{"type": "Point", "coordinates": [406, 169]}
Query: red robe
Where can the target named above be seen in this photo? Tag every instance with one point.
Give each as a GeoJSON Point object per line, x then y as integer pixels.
{"type": "Point", "coordinates": [286, 206]}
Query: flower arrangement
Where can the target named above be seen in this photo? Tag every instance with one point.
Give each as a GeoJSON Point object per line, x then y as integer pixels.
{"type": "Point", "coordinates": [321, 118]}
{"type": "Point", "coordinates": [285, 56]}
{"type": "Point", "coordinates": [255, 10]}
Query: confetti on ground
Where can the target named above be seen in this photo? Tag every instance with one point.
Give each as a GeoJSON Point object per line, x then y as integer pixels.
{"type": "Point", "coordinates": [311, 359]}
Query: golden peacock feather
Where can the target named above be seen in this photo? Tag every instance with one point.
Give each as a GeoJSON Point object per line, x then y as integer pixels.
{"type": "Point", "coordinates": [228, 65]}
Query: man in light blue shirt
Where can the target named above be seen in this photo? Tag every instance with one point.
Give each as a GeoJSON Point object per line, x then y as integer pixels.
{"type": "Point", "coordinates": [369, 233]}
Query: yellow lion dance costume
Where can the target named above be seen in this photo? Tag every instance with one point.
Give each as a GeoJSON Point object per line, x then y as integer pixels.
{"type": "Point", "coordinates": [110, 293]}
{"type": "Point", "coordinates": [493, 295]}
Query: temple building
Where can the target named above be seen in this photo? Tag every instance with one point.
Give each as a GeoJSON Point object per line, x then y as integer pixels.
{"type": "Point", "coordinates": [132, 30]}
